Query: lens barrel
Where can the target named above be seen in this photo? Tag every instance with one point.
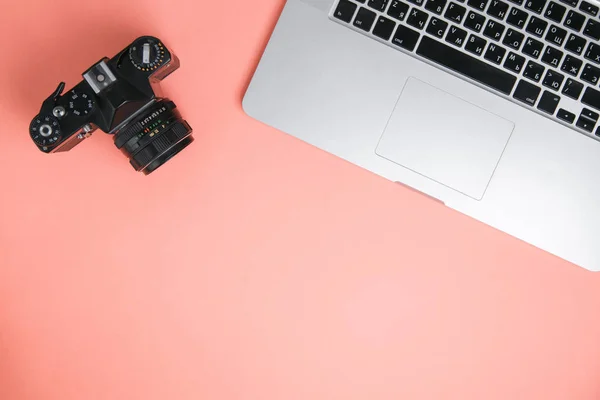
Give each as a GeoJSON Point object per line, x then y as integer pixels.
{"type": "Point", "coordinates": [154, 137]}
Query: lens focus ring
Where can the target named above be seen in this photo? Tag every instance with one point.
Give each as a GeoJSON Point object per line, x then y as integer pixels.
{"type": "Point", "coordinates": [161, 144]}
{"type": "Point", "coordinates": [133, 130]}
{"type": "Point", "coordinates": [154, 137]}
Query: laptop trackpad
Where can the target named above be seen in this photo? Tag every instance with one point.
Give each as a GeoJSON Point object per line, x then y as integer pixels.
{"type": "Point", "coordinates": [444, 138]}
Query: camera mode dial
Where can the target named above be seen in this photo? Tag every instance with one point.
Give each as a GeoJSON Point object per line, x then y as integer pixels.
{"type": "Point", "coordinates": [79, 102]}
{"type": "Point", "coordinates": [45, 130]}
{"type": "Point", "coordinates": [147, 54]}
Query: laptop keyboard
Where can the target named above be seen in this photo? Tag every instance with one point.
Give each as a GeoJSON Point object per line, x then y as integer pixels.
{"type": "Point", "coordinates": [542, 54]}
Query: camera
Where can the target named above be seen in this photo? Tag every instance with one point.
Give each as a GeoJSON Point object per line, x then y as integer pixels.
{"type": "Point", "coordinates": [120, 96]}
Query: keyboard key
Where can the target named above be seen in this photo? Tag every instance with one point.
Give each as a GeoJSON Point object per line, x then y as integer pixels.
{"type": "Point", "coordinates": [437, 27]}
{"type": "Point", "coordinates": [585, 123]}
{"type": "Point", "coordinates": [478, 4]}
{"type": "Point", "coordinates": [575, 44]}
{"type": "Point", "coordinates": [345, 10]}
{"type": "Point", "coordinates": [361, 1]}
{"type": "Point", "coordinates": [572, 3]}
{"type": "Point", "coordinates": [517, 17]}
{"type": "Point", "coordinates": [593, 115]}
{"type": "Point", "coordinates": [535, 5]}
{"type": "Point", "coordinates": [417, 2]}
{"type": "Point", "coordinates": [514, 62]}
{"type": "Point", "coordinates": [493, 30]}
{"type": "Point", "coordinates": [364, 19]}
{"type": "Point", "coordinates": [590, 74]}
{"type": "Point", "coordinates": [384, 28]}
{"type": "Point", "coordinates": [498, 9]}
{"type": "Point", "coordinates": [556, 35]}
{"type": "Point", "coordinates": [592, 29]}
{"type": "Point", "coordinates": [398, 10]}
{"type": "Point", "coordinates": [527, 92]}
{"type": "Point", "coordinates": [589, 8]}
{"type": "Point", "coordinates": [536, 26]}
{"type": "Point", "coordinates": [571, 65]}
{"type": "Point", "coordinates": [574, 20]}
{"type": "Point", "coordinates": [553, 80]}
{"type": "Point", "coordinates": [552, 56]}
{"type": "Point", "coordinates": [513, 39]}
{"type": "Point", "coordinates": [405, 38]}
{"type": "Point", "coordinates": [464, 64]}
{"type": "Point", "coordinates": [533, 48]}
{"type": "Point", "coordinates": [475, 45]}
{"type": "Point", "coordinates": [435, 6]}
{"type": "Point", "coordinates": [593, 52]}
{"type": "Point", "coordinates": [495, 53]}
{"type": "Point", "coordinates": [455, 12]}
{"type": "Point", "coordinates": [565, 115]}
{"type": "Point", "coordinates": [572, 89]}
{"type": "Point", "coordinates": [548, 102]}
{"type": "Point", "coordinates": [519, 2]}
{"type": "Point", "coordinates": [555, 12]}
{"type": "Point", "coordinates": [474, 21]}
{"type": "Point", "coordinates": [379, 5]}
{"type": "Point", "coordinates": [591, 98]}
{"type": "Point", "coordinates": [598, 131]}
{"type": "Point", "coordinates": [417, 18]}
{"type": "Point", "coordinates": [456, 36]}
{"type": "Point", "coordinates": [533, 71]}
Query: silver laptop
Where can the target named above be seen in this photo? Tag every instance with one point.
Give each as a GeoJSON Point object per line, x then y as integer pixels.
{"type": "Point", "coordinates": [490, 106]}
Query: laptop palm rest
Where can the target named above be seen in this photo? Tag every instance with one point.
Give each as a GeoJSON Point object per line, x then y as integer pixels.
{"type": "Point", "coordinates": [444, 138]}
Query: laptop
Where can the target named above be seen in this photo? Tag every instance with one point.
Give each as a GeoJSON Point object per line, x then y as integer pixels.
{"type": "Point", "coordinates": [490, 106]}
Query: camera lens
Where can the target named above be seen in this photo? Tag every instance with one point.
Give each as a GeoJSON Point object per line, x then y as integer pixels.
{"type": "Point", "coordinates": [154, 137]}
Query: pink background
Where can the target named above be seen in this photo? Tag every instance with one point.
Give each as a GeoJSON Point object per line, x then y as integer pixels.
{"type": "Point", "coordinates": [252, 266]}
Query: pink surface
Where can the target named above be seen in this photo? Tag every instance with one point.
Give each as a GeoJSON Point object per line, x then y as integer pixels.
{"type": "Point", "coordinates": [252, 266]}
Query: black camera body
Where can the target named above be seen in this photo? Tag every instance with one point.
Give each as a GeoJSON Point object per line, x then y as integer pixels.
{"type": "Point", "coordinates": [120, 96]}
